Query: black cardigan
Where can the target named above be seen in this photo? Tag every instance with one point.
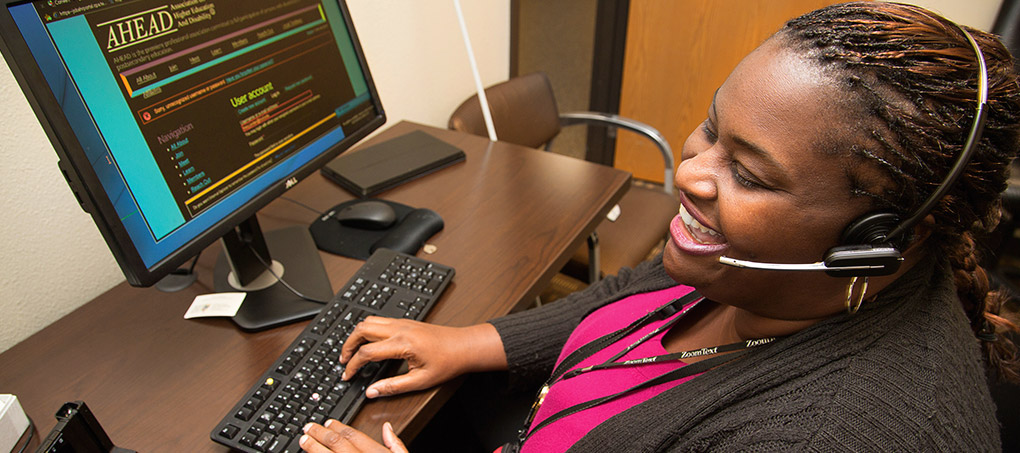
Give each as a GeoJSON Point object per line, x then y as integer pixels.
{"type": "Point", "coordinates": [902, 374]}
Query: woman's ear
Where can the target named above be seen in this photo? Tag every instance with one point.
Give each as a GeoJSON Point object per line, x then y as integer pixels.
{"type": "Point", "coordinates": [921, 233]}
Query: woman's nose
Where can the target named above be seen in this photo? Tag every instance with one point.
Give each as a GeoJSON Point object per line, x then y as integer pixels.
{"type": "Point", "coordinates": [696, 175]}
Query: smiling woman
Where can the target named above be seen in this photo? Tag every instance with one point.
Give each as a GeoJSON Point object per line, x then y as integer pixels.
{"type": "Point", "coordinates": [859, 109]}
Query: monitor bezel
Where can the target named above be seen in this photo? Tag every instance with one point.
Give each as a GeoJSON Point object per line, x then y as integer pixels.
{"type": "Point", "coordinates": [85, 184]}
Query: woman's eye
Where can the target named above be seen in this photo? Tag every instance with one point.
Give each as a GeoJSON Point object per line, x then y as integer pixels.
{"type": "Point", "coordinates": [706, 127]}
{"type": "Point", "coordinates": [745, 178]}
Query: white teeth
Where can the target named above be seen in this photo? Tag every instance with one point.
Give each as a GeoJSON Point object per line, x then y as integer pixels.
{"type": "Point", "coordinates": [693, 224]}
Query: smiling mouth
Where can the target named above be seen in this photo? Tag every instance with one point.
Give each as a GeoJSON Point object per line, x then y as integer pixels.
{"type": "Point", "coordinates": [700, 233]}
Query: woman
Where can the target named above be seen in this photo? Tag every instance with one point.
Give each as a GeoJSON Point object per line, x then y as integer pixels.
{"type": "Point", "coordinates": [845, 111]}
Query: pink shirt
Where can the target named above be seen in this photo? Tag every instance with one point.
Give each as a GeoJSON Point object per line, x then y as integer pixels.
{"type": "Point", "coordinates": [561, 434]}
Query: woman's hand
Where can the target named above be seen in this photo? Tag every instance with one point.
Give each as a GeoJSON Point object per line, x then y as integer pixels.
{"type": "Point", "coordinates": [337, 437]}
{"type": "Point", "coordinates": [434, 354]}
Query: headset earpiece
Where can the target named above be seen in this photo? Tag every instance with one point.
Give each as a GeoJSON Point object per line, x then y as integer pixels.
{"type": "Point", "coordinates": [865, 243]}
{"type": "Point", "coordinates": [870, 228]}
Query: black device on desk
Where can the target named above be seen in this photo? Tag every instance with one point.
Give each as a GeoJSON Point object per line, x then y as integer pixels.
{"type": "Point", "coordinates": [303, 385]}
{"type": "Point", "coordinates": [78, 431]}
{"type": "Point", "coordinates": [173, 127]}
{"type": "Point", "coordinates": [376, 168]}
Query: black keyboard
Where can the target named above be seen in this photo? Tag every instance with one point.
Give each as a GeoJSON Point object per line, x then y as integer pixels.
{"type": "Point", "coordinates": [304, 385]}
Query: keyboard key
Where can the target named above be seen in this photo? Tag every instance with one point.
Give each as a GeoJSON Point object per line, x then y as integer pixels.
{"type": "Point", "coordinates": [229, 431]}
{"type": "Point", "coordinates": [262, 444]}
{"type": "Point", "coordinates": [279, 444]}
{"type": "Point", "coordinates": [252, 404]}
{"type": "Point", "coordinates": [248, 439]}
{"type": "Point", "coordinates": [243, 414]}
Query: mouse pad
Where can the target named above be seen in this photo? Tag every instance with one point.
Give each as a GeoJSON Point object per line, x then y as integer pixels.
{"type": "Point", "coordinates": [330, 236]}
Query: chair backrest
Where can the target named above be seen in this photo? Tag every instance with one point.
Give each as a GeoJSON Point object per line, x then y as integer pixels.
{"type": "Point", "coordinates": [523, 111]}
{"type": "Point", "coordinates": [1007, 25]}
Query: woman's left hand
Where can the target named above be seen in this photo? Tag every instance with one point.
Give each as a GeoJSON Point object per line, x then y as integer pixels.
{"type": "Point", "coordinates": [336, 437]}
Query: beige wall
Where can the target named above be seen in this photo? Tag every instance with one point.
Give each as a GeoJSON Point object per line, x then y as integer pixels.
{"type": "Point", "coordinates": [54, 259]}
{"type": "Point", "coordinates": [974, 13]}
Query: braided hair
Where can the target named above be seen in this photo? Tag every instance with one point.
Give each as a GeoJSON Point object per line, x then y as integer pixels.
{"type": "Point", "coordinates": [908, 79]}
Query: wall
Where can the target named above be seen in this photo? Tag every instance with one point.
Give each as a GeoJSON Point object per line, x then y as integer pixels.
{"type": "Point", "coordinates": [54, 258]}
{"type": "Point", "coordinates": [974, 13]}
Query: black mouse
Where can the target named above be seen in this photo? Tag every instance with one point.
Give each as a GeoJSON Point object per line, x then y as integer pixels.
{"type": "Point", "coordinates": [367, 215]}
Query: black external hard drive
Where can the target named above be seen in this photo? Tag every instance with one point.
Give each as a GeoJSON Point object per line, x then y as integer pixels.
{"type": "Point", "coordinates": [368, 171]}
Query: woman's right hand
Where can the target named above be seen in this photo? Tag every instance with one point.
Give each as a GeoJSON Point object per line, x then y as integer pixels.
{"type": "Point", "coordinates": [434, 354]}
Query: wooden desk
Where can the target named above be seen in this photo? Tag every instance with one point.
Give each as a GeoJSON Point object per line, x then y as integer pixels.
{"type": "Point", "coordinates": [158, 382]}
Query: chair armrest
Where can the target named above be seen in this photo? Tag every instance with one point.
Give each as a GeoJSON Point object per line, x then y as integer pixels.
{"type": "Point", "coordinates": [649, 132]}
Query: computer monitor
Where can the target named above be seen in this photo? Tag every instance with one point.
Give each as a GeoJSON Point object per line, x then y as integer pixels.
{"type": "Point", "coordinates": [176, 120]}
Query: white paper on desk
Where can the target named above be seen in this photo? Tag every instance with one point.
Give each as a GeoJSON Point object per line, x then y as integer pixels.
{"type": "Point", "coordinates": [213, 305]}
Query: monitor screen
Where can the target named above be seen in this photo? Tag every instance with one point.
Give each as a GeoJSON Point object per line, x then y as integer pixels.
{"type": "Point", "coordinates": [176, 120]}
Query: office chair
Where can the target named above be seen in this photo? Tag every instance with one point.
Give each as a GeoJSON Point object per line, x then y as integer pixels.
{"type": "Point", "coordinates": [524, 112]}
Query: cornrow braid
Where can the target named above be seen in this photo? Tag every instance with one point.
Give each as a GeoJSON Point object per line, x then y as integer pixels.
{"type": "Point", "coordinates": [909, 84]}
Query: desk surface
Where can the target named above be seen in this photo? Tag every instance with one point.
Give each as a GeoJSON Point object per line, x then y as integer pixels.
{"type": "Point", "coordinates": [158, 382]}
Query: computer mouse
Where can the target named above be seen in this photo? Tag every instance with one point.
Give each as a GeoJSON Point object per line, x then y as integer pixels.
{"type": "Point", "coordinates": [367, 215]}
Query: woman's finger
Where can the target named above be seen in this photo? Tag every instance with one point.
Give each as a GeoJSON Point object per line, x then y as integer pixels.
{"type": "Point", "coordinates": [319, 439]}
{"type": "Point", "coordinates": [357, 439]}
{"type": "Point", "coordinates": [372, 328]}
{"type": "Point", "coordinates": [414, 379]}
{"type": "Point", "coordinates": [374, 352]}
{"type": "Point", "coordinates": [391, 440]}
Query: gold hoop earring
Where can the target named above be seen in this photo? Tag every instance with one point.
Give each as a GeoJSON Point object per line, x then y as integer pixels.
{"type": "Point", "coordinates": [853, 305]}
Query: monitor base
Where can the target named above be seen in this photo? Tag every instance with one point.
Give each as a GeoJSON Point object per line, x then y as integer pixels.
{"type": "Point", "coordinates": [176, 281]}
{"type": "Point", "coordinates": [276, 305]}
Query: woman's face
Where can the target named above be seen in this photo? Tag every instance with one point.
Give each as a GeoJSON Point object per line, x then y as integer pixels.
{"type": "Point", "coordinates": [755, 185]}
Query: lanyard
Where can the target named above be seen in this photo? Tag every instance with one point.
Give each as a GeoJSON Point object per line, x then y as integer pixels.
{"type": "Point", "coordinates": [589, 349]}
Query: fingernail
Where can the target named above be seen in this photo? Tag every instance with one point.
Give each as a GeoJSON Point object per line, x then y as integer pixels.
{"type": "Point", "coordinates": [388, 427]}
{"type": "Point", "coordinates": [343, 377]}
{"type": "Point", "coordinates": [330, 422]}
{"type": "Point", "coordinates": [372, 392]}
{"type": "Point", "coordinates": [306, 427]}
{"type": "Point", "coordinates": [303, 440]}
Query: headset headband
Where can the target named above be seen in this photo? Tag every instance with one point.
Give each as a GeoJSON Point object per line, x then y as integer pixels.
{"type": "Point", "coordinates": [968, 148]}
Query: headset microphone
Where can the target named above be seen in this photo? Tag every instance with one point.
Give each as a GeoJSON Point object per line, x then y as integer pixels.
{"type": "Point", "coordinates": [842, 261]}
{"type": "Point", "coordinates": [873, 238]}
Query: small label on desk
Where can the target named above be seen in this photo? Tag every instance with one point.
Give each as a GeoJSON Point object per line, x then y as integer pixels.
{"type": "Point", "coordinates": [213, 305]}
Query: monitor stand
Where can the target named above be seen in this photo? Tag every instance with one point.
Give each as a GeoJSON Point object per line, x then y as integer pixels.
{"type": "Point", "coordinates": [179, 279]}
{"type": "Point", "coordinates": [268, 303]}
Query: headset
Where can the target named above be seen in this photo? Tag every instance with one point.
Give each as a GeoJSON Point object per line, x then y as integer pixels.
{"type": "Point", "coordinates": [871, 248]}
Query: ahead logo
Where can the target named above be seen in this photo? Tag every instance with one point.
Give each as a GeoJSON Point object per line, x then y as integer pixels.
{"type": "Point", "coordinates": [138, 27]}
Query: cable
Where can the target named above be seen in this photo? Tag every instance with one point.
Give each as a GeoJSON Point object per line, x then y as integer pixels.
{"type": "Point", "coordinates": [191, 268]}
{"type": "Point", "coordinates": [194, 262]}
{"type": "Point", "coordinates": [31, 434]}
{"type": "Point", "coordinates": [269, 267]}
